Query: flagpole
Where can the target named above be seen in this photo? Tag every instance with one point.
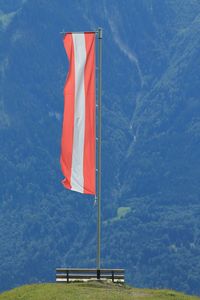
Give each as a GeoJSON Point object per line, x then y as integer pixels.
{"type": "Point", "coordinates": [99, 148]}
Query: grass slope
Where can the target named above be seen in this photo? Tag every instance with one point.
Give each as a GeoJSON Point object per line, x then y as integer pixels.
{"type": "Point", "coordinates": [93, 290]}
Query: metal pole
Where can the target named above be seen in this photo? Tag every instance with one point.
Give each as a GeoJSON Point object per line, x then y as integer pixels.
{"type": "Point", "coordinates": [65, 32]}
{"type": "Point", "coordinates": [99, 147]}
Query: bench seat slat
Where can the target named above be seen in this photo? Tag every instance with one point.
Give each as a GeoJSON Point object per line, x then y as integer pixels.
{"type": "Point", "coordinates": [87, 279]}
{"type": "Point", "coordinates": [62, 270]}
{"type": "Point", "coordinates": [89, 276]}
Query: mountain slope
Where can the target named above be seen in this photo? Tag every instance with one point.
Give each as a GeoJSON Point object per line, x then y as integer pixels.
{"type": "Point", "coordinates": [150, 172]}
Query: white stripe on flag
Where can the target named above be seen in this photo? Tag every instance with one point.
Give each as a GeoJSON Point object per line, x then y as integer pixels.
{"type": "Point", "coordinates": [77, 181]}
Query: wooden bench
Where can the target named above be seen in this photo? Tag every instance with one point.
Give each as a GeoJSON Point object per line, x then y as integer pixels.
{"type": "Point", "coordinates": [69, 275]}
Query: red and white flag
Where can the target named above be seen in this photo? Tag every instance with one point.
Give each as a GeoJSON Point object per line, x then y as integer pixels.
{"type": "Point", "coordinates": [78, 134]}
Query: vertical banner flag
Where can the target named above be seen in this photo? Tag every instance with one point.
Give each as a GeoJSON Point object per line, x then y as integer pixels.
{"type": "Point", "coordinates": [78, 133]}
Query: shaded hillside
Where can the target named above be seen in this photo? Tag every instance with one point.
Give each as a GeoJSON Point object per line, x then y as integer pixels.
{"type": "Point", "coordinates": [151, 132]}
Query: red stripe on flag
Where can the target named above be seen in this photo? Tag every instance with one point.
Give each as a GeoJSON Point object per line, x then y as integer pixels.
{"type": "Point", "coordinates": [68, 116]}
{"type": "Point", "coordinates": [89, 141]}
{"type": "Point", "coordinates": [78, 135]}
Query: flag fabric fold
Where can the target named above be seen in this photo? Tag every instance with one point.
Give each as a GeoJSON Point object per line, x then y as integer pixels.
{"type": "Point", "coordinates": [78, 133]}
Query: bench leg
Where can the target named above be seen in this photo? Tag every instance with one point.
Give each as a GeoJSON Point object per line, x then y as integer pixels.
{"type": "Point", "coordinates": [98, 274]}
{"type": "Point", "coordinates": [113, 276]}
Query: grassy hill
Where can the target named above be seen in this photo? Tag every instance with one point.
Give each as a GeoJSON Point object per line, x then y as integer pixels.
{"type": "Point", "coordinates": [93, 290]}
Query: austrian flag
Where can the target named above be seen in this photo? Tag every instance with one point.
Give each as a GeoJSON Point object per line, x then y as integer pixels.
{"type": "Point", "coordinates": [78, 133]}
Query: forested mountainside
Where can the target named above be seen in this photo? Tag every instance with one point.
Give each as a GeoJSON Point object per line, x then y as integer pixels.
{"type": "Point", "coordinates": [150, 146]}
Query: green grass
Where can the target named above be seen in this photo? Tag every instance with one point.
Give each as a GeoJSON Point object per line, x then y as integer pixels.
{"type": "Point", "coordinates": [121, 213]}
{"type": "Point", "coordinates": [91, 291]}
{"type": "Point", "coordinates": [5, 19]}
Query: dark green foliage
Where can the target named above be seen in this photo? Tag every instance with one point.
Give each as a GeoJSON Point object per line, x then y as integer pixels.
{"type": "Point", "coordinates": [151, 139]}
